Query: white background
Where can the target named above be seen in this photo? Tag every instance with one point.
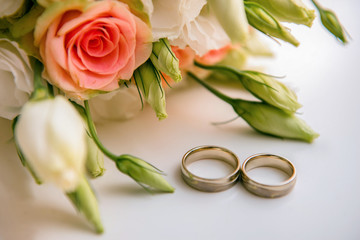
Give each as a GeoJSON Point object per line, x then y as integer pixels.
{"type": "Point", "coordinates": [325, 203]}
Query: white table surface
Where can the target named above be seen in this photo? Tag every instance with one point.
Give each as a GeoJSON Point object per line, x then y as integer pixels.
{"type": "Point", "coordinates": [325, 203]}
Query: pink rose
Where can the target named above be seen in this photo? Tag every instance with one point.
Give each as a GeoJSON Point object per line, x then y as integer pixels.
{"type": "Point", "coordinates": [88, 47]}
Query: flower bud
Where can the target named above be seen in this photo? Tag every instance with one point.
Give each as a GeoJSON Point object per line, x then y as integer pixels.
{"type": "Point", "coordinates": [331, 22]}
{"type": "Point", "coordinates": [51, 136]}
{"type": "Point", "coordinates": [147, 79]}
{"type": "Point", "coordinates": [165, 60]}
{"type": "Point", "coordinates": [273, 121]}
{"type": "Point", "coordinates": [143, 173]}
{"type": "Point", "coordinates": [262, 86]}
{"type": "Point", "coordinates": [85, 202]}
{"type": "Point", "coordinates": [231, 15]}
{"type": "Point", "coordinates": [271, 91]}
{"type": "Point", "coordinates": [262, 20]}
{"type": "Point", "coordinates": [266, 118]}
{"type": "Point", "coordinates": [293, 11]}
{"type": "Point", "coordinates": [94, 158]}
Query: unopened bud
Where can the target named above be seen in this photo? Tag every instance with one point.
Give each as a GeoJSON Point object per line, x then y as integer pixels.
{"type": "Point", "coordinates": [273, 121]}
{"type": "Point", "coordinates": [94, 159]}
{"type": "Point", "coordinates": [148, 80]}
{"type": "Point", "coordinates": [85, 202]}
{"type": "Point", "coordinates": [262, 20]}
{"type": "Point", "coordinates": [143, 173]}
{"type": "Point", "coordinates": [331, 22]}
{"type": "Point", "coordinates": [270, 90]}
{"type": "Point", "coordinates": [165, 60]}
{"type": "Point", "coordinates": [293, 11]}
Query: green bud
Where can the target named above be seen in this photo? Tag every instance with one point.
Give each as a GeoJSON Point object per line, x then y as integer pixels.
{"type": "Point", "coordinates": [262, 86]}
{"type": "Point", "coordinates": [236, 57]}
{"type": "Point", "coordinates": [271, 91]}
{"type": "Point", "coordinates": [263, 21]}
{"type": "Point", "coordinates": [331, 23]}
{"type": "Point", "coordinates": [85, 202]}
{"type": "Point", "coordinates": [143, 173]}
{"type": "Point", "coordinates": [231, 15]}
{"type": "Point", "coordinates": [273, 121]}
{"type": "Point", "coordinates": [148, 80]}
{"type": "Point", "coordinates": [165, 60]}
{"type": "Point", "coordinates": [293, 11]}
{"type": "Point", "coordinates": [266, 118]}
{"type": "Point", "coordinates": [94, 159]}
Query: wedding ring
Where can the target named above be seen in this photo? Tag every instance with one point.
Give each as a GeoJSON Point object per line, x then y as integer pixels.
{"type": "Point", "coordinates": [268, 190]}
{"type": "Point", "coordinates": [213, 153]}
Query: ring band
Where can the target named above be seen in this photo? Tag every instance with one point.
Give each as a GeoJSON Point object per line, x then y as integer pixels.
{"type": "Point", "coordinates": [210, 184]}
{"type": "Point", "coordinates": [267, 190]}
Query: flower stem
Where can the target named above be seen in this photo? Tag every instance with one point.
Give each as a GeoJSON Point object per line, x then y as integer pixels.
{"type": "Point", "coordinates": [40, 90]}
{"type": "Point", "coordinates": [220, 67]}
{"type": "Point", "coordinates": [211, 89]}
{"type": "Point", "coordinates": [94, 135]}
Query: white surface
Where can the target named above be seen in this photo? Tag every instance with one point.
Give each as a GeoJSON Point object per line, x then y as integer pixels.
{"type": "Point", "coordinates": [325, 203]}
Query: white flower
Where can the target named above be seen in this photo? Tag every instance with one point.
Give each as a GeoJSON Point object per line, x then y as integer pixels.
{"type": "Point", "coordinates": [16, 79]}
{"type": "Point", "coordinates": [121, 104]}
{"type": "Point", "coordinates": [10, 7]}
{"type": "Point", "coordinates": [186, 23]}
{"type": "Point", "coordinates": [51, 136]}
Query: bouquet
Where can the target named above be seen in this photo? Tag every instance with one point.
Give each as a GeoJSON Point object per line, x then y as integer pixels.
{"type": "Point", "coordinates": [62, 59]}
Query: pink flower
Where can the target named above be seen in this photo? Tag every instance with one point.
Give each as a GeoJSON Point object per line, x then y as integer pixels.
{"type": "Point", "coordinates": [187, 56]}
{"type": "Point", "coordinates": [88, 47]}
{"type": "Point", "coordinates": [214, 56]}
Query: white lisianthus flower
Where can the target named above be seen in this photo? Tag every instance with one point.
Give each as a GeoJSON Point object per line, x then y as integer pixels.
{"type": "Point", "coordinates": [9, 8]}
{"type": "Point", "coordinates": [186, 23]}
{"type": "Point", "coordinates": [16, 79]}
{"type": "Point", "coordinates": [51, 136]}
{"type": "Point", "coordinates": [121, 104]}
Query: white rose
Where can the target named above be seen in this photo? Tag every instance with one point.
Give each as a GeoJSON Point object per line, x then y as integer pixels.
{"type": "Point", "coordinates": [10, 7]}
{"type": "Point", "coordinates": [121, 104]}
{"type": "Point", "coordinates": [51, 136]}
{"type": "Point", "coordinates": [186, 23]}
{"type": "Point", "coordinates": [16, 79]}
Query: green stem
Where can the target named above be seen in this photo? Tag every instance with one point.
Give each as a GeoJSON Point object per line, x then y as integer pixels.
{"type": "Point", "coordinates": [93, 133]}
{"type": "Point", "coordinates": [211, 89]}
{"type": "Point", "coordinates": [219, 67]}
{"type": "Point", "coordinates": [38, 68]}
{"type": "Point", "coordinates": [40, 90]}
{"type": "Point", "coordinates": [316, 4]}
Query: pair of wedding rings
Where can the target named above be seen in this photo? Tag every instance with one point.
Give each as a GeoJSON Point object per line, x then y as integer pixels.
{"type": "Point", "coordinates": [240, 171]}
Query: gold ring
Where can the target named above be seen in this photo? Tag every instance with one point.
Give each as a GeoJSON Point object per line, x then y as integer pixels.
{"type": "Point", "coordinates": [210, 184]}
{"type": "Point", "coordinates": [268, 190]}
